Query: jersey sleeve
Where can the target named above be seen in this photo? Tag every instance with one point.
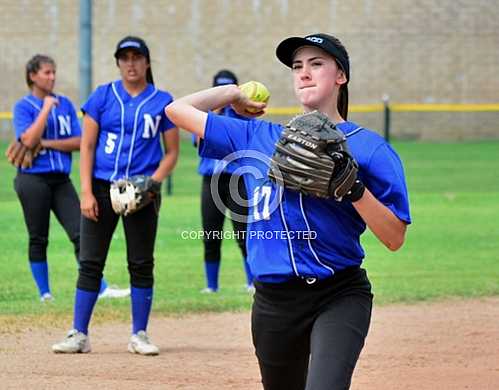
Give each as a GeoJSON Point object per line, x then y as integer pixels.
{"type": "Point", "coordinates": [386, 180]}
{"type": "Point", "coordinates": [24, 116]}
{"type": "Point", "coordinates": [92, 106]}
{"type": "Point", "coordinates": [166, 124]}
{"type": "Point", "coordinates": [75, 123]}
{"type": "Point", "coordinates": [224, 135]}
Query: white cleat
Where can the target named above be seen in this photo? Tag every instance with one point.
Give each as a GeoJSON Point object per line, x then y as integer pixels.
{"type": "Point", "coordinates": [75, 342]}
{"type": "Point", "coordinates": [139, 343]}
{"type": "Point", "coordinates": [47, 297]}
{"type": "Point", "coordinates": [114, 292]}
{"type": "Point", "coordinates": [208, 290]}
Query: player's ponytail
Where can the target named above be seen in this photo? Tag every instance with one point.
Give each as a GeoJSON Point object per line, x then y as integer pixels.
{"type": "Point", "coordinates": [149, 77]}
{"type": "Point", "coordinates": [343, 101]}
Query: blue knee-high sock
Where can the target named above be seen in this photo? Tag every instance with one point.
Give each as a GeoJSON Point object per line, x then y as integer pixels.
{"type": "Point", "coordinates": [40, 272]}
{"type": "Point", "coordinates": [84, 306]}
{"type": "Point", "coordinates": [211, 268]}
{"type": "Point", "coordinates": [103, 285]}
{"type": "Point", "coordinates": [249, 274]}
{"type": "Point", "coordinates": [141, 307]}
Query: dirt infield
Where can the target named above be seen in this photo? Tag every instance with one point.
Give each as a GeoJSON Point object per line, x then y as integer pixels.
{"type": "Point", "coordinates": [437, 346]}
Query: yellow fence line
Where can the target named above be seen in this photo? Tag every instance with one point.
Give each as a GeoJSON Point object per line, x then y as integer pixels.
{"type": "Point", "coordinates": [435, 107]}
{"type": "Point", "coordinates": [5, 115]}
{"type": "Point", "coordinates": [401, 107]}
{"type": "Point", "coordinates": [298, 110]}
{"type": "Point", "coordinates": [395, 107]}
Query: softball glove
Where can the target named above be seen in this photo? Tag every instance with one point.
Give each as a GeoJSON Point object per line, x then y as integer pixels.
{"type": "Point", "coordinates": [20, 155]}
{"type": "Point", "coordinates": [132, 194]}
{"type": "Point", "coordinates": [312, 157]}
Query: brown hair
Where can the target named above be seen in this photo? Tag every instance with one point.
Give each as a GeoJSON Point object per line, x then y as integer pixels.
{"type": "Point", "coordinates": [342, 103]}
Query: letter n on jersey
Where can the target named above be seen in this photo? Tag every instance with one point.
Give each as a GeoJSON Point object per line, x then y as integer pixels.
{"type": "Point", "coordinates": [150, 126]}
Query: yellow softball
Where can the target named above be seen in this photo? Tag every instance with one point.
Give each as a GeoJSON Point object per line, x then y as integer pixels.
{"type": "Point", "coordinates": [256, 92]}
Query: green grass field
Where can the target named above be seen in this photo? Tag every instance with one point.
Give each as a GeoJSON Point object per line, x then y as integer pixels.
{"type": "Point", "coordinates": [452, 247]}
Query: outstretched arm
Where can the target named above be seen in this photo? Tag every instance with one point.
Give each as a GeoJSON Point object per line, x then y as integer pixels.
{"type": "Point", "coordinates": [190, 112]}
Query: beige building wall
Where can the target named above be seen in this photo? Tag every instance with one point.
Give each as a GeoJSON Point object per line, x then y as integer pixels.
{"type": "Point", "coordinates": [416, 51]}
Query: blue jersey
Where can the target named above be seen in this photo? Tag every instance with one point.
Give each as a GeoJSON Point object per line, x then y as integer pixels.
{"type": "Point", "coordinates": [130, 129]}
{"type": "Point", "coordinates": [61, 123]}
{"type": "Point", "coordinates": [210, 166]}
{"type": "Point", "coordinates": [292, 235]}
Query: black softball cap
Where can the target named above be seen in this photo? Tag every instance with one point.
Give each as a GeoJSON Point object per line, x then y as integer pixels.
{"type": "Point", "coordinates": [224, 77]}
{"type": "Point", "coordinates": [286, 49]}
{"type": "Point", "coordinates": [134, 43]}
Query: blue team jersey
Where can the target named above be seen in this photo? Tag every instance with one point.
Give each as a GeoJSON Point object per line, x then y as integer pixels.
{"type": "Point", "coordinates": [293, 235]}
{"type": "Point", "coordinates": [61, 123]}
{"type": "Point", "coordinates": [210, 166]}
{"type": "Point", "coordinates": [130, 128]}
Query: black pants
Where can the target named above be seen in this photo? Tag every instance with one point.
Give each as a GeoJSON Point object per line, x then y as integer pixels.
{"type": "Point", "coordinates": [39, 194]}
{"type": "Point", "coordinates": [310, 336]}
{"type": "Point", "coordinates": [213, 216]}
{"type": "Point", "coordinates": [140, 234]}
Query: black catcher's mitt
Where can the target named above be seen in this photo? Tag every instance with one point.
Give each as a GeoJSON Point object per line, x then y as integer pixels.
{"type": "Point", "coordinates": [312, 157]}
{"type": "Point", "coordinates": [132, 194]}
{"type": "Point", "coordinates": [20, 155]}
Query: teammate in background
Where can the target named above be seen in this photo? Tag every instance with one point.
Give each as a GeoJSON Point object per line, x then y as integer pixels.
{"type": "Point", "coordinates": [312, 305]}
{"type": "Point", "coordinates": [123, 125]}
{"type": "Point", "coordinates": [49, 119]}
{"type": "Point", "coordinates": [213, 215]}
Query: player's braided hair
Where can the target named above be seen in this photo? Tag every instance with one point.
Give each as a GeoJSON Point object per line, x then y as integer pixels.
{"type": "Point", "coordinates": [34, 65]}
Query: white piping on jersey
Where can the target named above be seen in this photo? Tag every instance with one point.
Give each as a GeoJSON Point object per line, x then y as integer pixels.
{"type": "Point", "coordinates": [308, 239]}
{"type": "Point", "coordinates": [33, 104]}
{"type": "Point", "coordinates": [290, 247]}
{"type": "Point", "coordinates": [118, 152]}
{"type": "Point", "coordinates": [354, 131]}
{"type": "Point", "coordinates": [47, 129]}
{"type": "Point", "coordinates": [56, 135]}
{"type": "Point", "coordinates": [130, 154]}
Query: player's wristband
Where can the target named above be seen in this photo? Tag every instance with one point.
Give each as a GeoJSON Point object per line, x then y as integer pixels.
{"type": "Point", "coordinates": [356, 192]}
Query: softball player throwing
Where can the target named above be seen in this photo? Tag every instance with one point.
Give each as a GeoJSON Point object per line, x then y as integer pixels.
{"type": "Point", "coordinates": [45, 118]}
{"type": "Point", "coordinates": [312, 305]}
{"type": "Point", "coordinates": [123, 124]}
{"type": "Point", "coordinates": [213, 214]}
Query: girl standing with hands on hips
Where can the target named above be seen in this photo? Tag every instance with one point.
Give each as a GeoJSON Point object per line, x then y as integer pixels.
{"type": "Point", "coordinates": [312, 305]}
{"type": "Point", "coordinates": [123, 126]}
{"type": "Point", "coordinates": [48, 120]}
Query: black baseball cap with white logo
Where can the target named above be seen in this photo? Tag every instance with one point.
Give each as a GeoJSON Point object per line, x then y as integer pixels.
{"type": "Point", "coordinates": [286, 49]}
{"type": "Point", "coordinates": [133, 43]}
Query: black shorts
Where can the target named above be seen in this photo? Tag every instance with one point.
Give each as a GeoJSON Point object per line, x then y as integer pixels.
{"type": "Point", "coordinates": [309, 336]}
